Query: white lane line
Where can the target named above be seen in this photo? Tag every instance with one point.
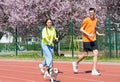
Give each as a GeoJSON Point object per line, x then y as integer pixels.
{"type": "Point", "coordinates": [108, 74]}
{"type": "Point", "coordinates": [36, 73]}
{"type": "Point", "coordinates": [28, 72]}
{"type": "Point", "coordinates": [17, 78]}
{"type": "Point", "coordinates": [33, 67]}
{"type": "Point", "coordinates": [28, 67]}
{"type": "Point", "coordinates": [90, 80]}
{"type": "Point", "coordinates": [6, 80]}
{"type": "Point", "coordinates": [115, 75]}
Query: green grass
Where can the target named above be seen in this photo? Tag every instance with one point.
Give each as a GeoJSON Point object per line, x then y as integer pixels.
{"type": "Point", "coordinates": [31, 55]}
{"type": "Point", "coordinates": [104, 59]}
{"type": "Point", "coordinates": [36, 55]}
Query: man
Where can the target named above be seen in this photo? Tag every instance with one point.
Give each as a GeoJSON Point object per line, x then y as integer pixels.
{"type": "Point", "coordinates": [89, 41]}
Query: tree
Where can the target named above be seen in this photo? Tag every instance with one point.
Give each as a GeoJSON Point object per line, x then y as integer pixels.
{"type": "Point", "coordinates": [30, 13]}
{"type": "Point", "coordinates": [113, 11]}
{"type": "Point", "coordinates": [27, 15]}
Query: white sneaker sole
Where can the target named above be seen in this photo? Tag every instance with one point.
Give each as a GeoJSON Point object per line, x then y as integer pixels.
{"type": "Point", "coordinates": [96, 74]}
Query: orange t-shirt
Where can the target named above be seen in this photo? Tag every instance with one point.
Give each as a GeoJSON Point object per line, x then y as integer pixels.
{"type": "Point", "coordinates": [89, 26]}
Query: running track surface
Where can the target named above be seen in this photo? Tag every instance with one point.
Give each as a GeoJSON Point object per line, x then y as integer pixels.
{"type": "Point", "coordinates": [28, 71]}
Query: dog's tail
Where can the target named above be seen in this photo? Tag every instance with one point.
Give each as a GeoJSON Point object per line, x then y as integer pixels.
{"type": "Point", "coordinates": [60, 72]}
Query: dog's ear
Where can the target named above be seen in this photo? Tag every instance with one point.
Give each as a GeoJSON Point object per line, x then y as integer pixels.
{"type": "Point", "coordinates": [56, 70]}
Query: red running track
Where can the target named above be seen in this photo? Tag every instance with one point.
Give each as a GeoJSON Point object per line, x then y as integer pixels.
{"type": "Point", "coordinates": [28, 71]}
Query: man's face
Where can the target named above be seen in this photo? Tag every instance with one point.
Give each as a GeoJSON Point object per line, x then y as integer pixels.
{"type": "Point", "coordinates": [92, 14]}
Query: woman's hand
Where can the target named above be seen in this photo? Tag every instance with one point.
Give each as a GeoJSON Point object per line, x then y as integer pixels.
{"type": "Point", "coordinates": [56, 39]}
{"type": "Point", "coordinates": [50, 43]}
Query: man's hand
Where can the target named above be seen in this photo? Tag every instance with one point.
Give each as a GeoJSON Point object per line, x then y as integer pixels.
{"type": "Point", "coordinates": [91, 35]}
{"type": "Point", "coordinates": [102, 35]}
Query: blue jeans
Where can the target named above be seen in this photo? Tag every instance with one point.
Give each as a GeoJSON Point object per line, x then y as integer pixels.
{"type": "Point", "coordinates": [48, 54]}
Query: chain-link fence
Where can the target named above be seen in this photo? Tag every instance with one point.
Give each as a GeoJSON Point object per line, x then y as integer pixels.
{"type": "Point", "coordinates": [70, 44]}
{"type": "Point", "coordinates": [108, 45]}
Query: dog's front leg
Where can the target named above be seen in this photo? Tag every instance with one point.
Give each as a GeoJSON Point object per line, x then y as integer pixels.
{"type": "Point", "coordinates": [51, 79]}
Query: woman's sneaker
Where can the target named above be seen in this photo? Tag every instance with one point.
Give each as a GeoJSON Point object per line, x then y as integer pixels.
{"type": "Point", "coordinates": [75, 67]}
{"type": "Point", "coordinates": [46, 74]}
{"type": "Point", "coordinates": [95, 72]}
{"type": "Point", "coordinates": [41, 68]}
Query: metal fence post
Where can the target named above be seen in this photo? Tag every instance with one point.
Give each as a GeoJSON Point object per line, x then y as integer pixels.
{"type": "Point", "coordinates": [116, 41]}
{"type": "Point", "coordinates": [109, 37]}
{"type": "Point", "coordinates": [16, 41]}
{"type": "Point", "coordinates": [72, 33]}
{"type": "Point", "coordinates": [41, 27]}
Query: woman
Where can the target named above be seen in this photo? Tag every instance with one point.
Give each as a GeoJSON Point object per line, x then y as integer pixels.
{"type": "Point", "coordinates": [48, 36]}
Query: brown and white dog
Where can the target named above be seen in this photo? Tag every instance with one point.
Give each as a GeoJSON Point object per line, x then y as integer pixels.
{"type": "Point", "coordinates": [53, 73]}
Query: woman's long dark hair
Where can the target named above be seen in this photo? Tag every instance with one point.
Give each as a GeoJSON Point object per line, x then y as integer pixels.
{"type": "Point", "coordinates": [46, 25]}
{"type": "Point", "coordinates": [46, 22]}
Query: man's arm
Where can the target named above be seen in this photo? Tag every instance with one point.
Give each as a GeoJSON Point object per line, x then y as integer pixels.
{"type": "Point", "coordinates": [99, 34]}
{"type": "Point", "coordinates": [83, 31]}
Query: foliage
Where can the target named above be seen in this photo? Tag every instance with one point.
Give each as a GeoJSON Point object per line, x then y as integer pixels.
{"type": "Point", "coordinates": [113, 9]}
{"type": "Point", "coordinates": [27, 15]}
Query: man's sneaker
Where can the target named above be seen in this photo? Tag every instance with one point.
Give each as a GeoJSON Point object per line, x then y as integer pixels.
{"type": "Point", "coordinates": [41, 68]}
{"type": "Point", "coordinates": [95, 72]}
{"type": "Point", "coordinates": [75, 67]}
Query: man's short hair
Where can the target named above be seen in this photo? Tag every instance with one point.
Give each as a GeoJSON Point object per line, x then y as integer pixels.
{"type": "Point", "coordinates": [92, 9]}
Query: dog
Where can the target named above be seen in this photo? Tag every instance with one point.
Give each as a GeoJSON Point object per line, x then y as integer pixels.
{"type": "Point", "coordinates": [53, 73]}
